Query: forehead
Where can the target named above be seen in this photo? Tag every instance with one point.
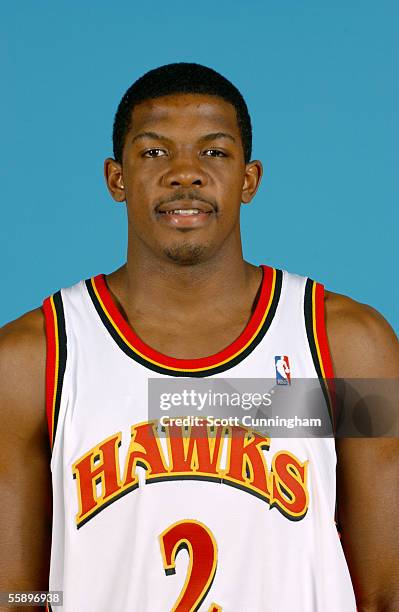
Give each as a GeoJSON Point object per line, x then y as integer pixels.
{"type": "Point", "coordinates": [182, 110]}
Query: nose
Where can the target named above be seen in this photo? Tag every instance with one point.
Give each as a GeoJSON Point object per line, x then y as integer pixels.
{"type": "Point", "coordinates": [185, 173]}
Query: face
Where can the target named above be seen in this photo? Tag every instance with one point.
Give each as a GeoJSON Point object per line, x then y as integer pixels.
{"type": "Point", "coordinates": [183, 177]}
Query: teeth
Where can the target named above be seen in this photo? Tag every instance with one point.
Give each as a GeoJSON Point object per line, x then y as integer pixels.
{"type": "Point", "coordinates": [181, 211]}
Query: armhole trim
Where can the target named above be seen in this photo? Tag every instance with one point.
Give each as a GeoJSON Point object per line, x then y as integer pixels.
{"type": "Point", "coordinates": [55, 359]}
{"type": "Point", "coordinates": [318, 342]}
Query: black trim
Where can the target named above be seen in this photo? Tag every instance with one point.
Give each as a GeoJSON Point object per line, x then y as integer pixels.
{"type": "Point", "coordinates": [188, 373]}
{"type": "Point", "coordinates": [308, 312]}
{"type": "Point", "coordinates": [62, 357]}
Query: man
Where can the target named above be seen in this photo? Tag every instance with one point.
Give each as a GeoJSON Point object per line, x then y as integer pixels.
{"type": "Point", "coordinates": [257, 524]}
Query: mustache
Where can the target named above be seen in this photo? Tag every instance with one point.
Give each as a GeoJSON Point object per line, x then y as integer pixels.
{"type": "Point", "coordinates": [190, 195]}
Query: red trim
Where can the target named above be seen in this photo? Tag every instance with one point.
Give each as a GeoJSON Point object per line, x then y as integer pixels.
{"type": "Point", "coordinates": [235, 347]}
{"type": "Point", "coordinates": [324, 348]}
{"type": "Point", "coordinates": [50, 363]}
{"type": "Point", "coordinates": [322, 333]}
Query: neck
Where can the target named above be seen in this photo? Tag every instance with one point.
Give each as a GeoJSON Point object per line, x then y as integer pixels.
{"type": "Point", "coordinates": [158, 286]}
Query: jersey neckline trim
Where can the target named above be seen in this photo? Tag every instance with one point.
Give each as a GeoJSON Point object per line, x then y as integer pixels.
{"type": "Point", "coordinates": [126, 338]}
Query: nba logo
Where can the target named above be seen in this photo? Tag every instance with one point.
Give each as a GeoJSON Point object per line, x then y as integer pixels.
{"type": "Point", "coordinates": [283, 372]}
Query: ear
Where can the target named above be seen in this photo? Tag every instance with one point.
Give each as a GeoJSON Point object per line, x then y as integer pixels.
{"type": "Point", "coordinates": [253, 175]}
{"type": "Point", "coordinates": [114, 179]}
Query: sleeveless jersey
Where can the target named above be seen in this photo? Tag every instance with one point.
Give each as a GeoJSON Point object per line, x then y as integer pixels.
{"type": "Point", "coordinates": [143, 524]}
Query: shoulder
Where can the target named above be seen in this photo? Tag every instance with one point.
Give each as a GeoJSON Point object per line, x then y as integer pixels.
{"type": "Point", "coordinates": [22, 365]}
{"type": "Point", "coordinates": [22, 338]}
{"type": "Point", "coordinates": [362, 342]}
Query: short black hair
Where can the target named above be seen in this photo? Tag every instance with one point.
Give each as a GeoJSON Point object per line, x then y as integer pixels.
{"type": "Point", "coordinates": [181, 77]}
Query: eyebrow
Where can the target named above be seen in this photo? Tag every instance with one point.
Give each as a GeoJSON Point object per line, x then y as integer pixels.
{"type": "Point", "coordinates": [217, 135]}
{"type": "Point", "coordinates": [206, 138]}
{"type": "Point", "coordinates": [153, 135]}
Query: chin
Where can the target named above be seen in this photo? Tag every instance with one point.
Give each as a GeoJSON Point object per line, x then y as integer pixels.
{"type": "Point", "coordinates": [186, 254]}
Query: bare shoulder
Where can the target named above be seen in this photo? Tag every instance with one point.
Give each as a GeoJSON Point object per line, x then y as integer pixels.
{"type": "Point", "coordinates": [23, 339]}
{"type": "Point", "coordinates": [22, 366]}
{"type": "Point", "coordinates": [29, 326]}
{"type": "Point", "coordinates": [362, 342]}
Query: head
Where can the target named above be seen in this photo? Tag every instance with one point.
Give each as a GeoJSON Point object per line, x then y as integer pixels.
{"type": "Point", "coordinates": [182, 146]}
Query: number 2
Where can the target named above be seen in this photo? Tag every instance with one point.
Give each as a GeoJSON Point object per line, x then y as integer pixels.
{"type": "Point", "coordinates": [200, 543]}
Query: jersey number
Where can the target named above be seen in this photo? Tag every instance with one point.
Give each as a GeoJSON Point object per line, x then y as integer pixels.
{"type": "Point", "coordinates": [198, 540]}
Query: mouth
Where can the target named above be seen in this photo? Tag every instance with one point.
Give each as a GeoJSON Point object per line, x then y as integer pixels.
{"type": "Point", "coordinates": [185, 213]}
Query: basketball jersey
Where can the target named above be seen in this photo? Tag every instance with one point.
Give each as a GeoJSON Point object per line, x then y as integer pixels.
{"type": "Point", "coordinates": [233, 523]}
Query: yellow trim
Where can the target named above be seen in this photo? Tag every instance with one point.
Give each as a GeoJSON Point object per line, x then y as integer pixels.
{"type": "Point", "coordinates": [188, 369]}
{"type": "Point", "coordinates": [315, 329]}
{"type": "Point", "coordinates": [57, 365]}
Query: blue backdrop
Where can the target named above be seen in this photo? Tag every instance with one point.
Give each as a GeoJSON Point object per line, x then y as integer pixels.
{"type": "Point", "coordinates": [321, 83]}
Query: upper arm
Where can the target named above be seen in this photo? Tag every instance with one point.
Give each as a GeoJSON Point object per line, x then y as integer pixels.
{"type": "Point", "coordinates": [25, 482]}
{"type": "Point", "coordinates": [363, 346]}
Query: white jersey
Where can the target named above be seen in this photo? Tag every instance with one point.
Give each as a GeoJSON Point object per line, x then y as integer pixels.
{"type": "Point", "coordinates": [146, 523]}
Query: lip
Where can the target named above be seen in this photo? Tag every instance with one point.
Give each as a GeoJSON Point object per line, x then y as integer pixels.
{"type": "Point", "coordinates": [165, 215]}
{"type": "Point", "coordinates": [203, 207]}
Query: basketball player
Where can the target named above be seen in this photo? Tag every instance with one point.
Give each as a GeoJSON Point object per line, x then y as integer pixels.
{"type": "Point", "coordinates": [238, 523]}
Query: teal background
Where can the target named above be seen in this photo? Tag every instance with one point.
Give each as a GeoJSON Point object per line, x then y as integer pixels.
{"type": "Point", "coordinates": [321, 83]}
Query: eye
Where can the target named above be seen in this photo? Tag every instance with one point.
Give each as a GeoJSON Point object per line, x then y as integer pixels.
{"type": "Point", "coordinates": [214, 153]}
{"type": "Point", "coordinates": [154, 153]}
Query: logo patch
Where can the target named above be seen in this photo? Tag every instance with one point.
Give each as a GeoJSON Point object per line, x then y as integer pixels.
{"type": "Point", "coordinates": [283, 370]}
